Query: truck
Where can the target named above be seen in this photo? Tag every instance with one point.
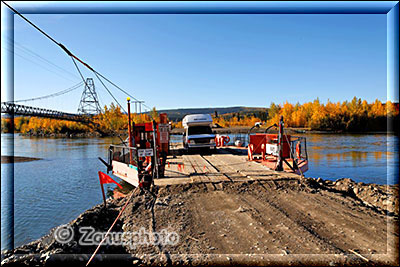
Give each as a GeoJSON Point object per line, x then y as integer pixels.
{"type": "Point", "coordinates": [198, 133]}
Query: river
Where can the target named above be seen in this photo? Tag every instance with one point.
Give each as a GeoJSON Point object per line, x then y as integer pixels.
{"type": "Point", "coordinates": [56, 189]}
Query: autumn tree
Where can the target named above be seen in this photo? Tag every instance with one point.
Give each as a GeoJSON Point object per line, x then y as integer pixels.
{"type": "Point", "coordinates": [154, 114]}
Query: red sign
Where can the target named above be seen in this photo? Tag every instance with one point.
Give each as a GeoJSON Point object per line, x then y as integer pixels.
{"type": "Point", "coordinates": [105, 179]}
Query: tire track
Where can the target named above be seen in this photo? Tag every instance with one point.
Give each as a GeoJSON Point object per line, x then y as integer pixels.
{"type": "Point", "coordinates": [301, 224]}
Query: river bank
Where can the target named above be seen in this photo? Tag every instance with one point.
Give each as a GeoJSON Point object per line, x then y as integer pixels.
{"type": "Point", "coordinates": [217, 130]}
{"type": "Point", "coordinates": [14, 159]}
{"type": "Point", "coordinates": [62, 135]}
{"type": "Point", "coordinates": [284, 221]}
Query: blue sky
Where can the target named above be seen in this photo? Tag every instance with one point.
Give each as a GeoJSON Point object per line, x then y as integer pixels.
{"type": "Point", "coordinates": [175, 61]}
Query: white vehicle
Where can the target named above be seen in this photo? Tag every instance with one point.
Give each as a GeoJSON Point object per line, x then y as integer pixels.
{"type": "Point", "coordinates": [198, 133]}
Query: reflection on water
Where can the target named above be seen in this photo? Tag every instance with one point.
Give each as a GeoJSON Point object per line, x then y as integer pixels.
{"type": "Point", "coordinates": [364, 158]}
{"type": "Point", "coordinates": [354, 156]}
{"type": "Point", "coordinates": [369, 158]}
{"type": "Point", "coordinates": [58, 188]}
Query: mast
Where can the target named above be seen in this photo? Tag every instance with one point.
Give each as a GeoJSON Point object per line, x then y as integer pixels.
{"type": "Point", "coordinates": [130, 131]}
{"type": "Point", "coordinates": [279, 165]}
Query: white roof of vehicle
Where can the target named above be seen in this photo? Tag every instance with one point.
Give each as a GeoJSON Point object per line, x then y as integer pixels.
{"type": "Point", "coordinates": [197, 119]}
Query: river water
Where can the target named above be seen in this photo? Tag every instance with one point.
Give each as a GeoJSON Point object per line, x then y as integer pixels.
{"type": "Point", "coordinates": [56, 189]}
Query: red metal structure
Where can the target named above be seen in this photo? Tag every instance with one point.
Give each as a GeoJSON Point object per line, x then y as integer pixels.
{"type": "Point", "coordinates": [142, 157]}
{"type": "Point", "coordinates": [280, 152]}
{"type": "Point", "coordinates": [142, 135]}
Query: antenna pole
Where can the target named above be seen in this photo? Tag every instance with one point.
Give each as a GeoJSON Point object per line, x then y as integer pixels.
{"type": "Point", "coordinates": [129, 131]}
{"type": "Point", "coordinates": [279, 165]}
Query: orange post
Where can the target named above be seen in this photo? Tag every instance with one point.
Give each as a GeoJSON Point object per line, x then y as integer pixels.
{"type": "Point", "coordinates": [263, 151]}
{"type": "Point", "coordinates": [129, 131]}
{"type": "Point", "coordinates": [104, 196]}
{"type": "Point", "coordinates": [250, 152]}
{"type": "Point", "coordinates": [165, 133]}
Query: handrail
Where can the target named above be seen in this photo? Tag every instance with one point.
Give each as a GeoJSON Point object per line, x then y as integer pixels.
{"type": "Point", "coordinates": [273, 125]}
{"type": "Point", "coordinates": [125, 147]}
{"type": "Point", "coordinates": [122, 150]}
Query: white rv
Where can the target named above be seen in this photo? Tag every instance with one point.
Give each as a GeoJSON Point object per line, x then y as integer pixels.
{"type": "Point", "coordinates": [198, 133]}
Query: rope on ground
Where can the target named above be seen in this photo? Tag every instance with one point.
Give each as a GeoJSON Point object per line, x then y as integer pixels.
{"type": "Point", "coordinates": [153, 228]}
{"type": "Point", "coordinates": [119, 215]}
{"type": "Point", "coordinates": [359, 255]}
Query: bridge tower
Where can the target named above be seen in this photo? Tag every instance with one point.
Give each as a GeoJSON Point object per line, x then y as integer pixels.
{"type": "Point", "coordinates": [89, 104]}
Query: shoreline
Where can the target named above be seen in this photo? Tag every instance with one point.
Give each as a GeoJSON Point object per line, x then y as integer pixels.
{"type": "Point", "coordinates": [179, 131]}
{"type": "Point", "coordinates": [15, 159]}
{"type": "Point", "coordinates": [245, 130]}
{"type": "Point", "coordinates": [46, 250]}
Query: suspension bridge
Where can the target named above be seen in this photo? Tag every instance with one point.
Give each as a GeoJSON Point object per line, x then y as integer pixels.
{"type": "Point", "coordinates": [16, 109]}
{"type": "Point", "coordinates": [88, 106]}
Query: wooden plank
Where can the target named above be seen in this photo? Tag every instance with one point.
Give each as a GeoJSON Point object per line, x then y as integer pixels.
{"type": "Point", "coordinates": [188, 167]}
{"type": "Point", "coordinates": [200, 165]}
{"type": "Point", "coordinates": [171, 181]}
{"type": "Point", "coordinates": [250, 168]}
{"type": "Point", "coordinates": [217, 168]}
{"type": "Point", "coordinates": [175, 181]}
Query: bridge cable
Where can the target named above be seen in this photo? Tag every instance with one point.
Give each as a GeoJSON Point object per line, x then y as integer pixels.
{"type": "Point", "coordinates": [76, 86]}
{"type": "Point", "coordinates": [67, 51]}
{"type": "Point", "coordinates": [36, 27]}
{"type": "Point", "coordinates": [122, 90]}
{"type": "Point", "coordinates": [40, 65]}
{"type": "Point", "coordinates": [95, 73]}
{"type": "Point", "coordinates": [31, 53]}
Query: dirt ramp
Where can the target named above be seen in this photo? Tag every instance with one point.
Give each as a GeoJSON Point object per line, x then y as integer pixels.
{"type": "Point", "coordinates": [276, 222]}
{"type": "Point", "coordinates": [260, 222]}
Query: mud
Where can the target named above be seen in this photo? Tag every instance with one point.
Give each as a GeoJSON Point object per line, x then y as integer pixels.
{"type": "Point", "coordinates": [275, 222]}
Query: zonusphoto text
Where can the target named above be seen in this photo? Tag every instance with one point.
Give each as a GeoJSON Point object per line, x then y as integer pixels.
{"type": "Point", "coordinates": [89, 237]}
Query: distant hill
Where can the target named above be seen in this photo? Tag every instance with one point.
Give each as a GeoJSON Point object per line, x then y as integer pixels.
{"type": "Point", "coordinates": [178, 114]}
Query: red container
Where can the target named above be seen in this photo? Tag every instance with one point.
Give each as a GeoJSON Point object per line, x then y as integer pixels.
{"type": "Point", "coordinates": [259, 138]}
